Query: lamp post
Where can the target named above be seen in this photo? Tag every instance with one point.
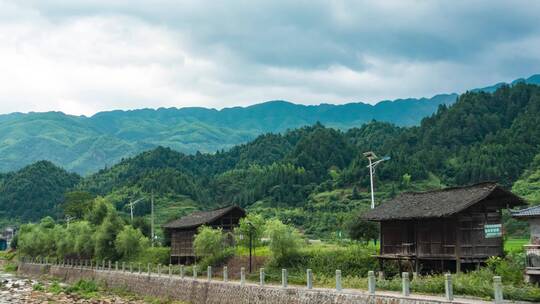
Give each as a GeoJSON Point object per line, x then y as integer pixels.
{"type": "Point", "coordinates": [251, 227]}
{"type": "Point", "coordinates": [131, 204]}
{"type": "Point", "coordinates": [250, 235]}
{"type": "Point", "coordinates": [371, 156]}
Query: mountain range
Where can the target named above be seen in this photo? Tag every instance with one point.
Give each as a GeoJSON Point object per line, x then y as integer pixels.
{"type": "Point", "coordinates": [314, 177]}
{"type": "Point", "coordinates": [86, 144]}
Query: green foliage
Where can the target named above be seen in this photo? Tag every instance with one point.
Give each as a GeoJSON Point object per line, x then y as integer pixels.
{"type": "Point", "coordinates": [130, 242]}
{"type": "Point", "coordinates": [85, 288]}
{"type": "Point", "coordinates": [285, 242]}
{"type": "Point", "coordinates": [34, 191]}
{"type": "Point", "coordinates": [362, 230]}
{"type": "Point", "coordinates": [77, 203]}
{"type": "Point", "coordinates": [10, 267]}
{"type": "Point", "coordinates": [352, 260]}
{"type": "Point", "coordinates": [208, 241]}
{"type": "Point", "coordinates": [154, 255]}
{"type": "Point", "coordinates": [105, 237]}
{"type": "Point", "coordinates": [528, 186]}
{"type": "Point", "coordinates": [38, 287]}
{"type": "Point", "coordinates": [217, 259]}
{"type": "Point", "coordinates": [252, 225]}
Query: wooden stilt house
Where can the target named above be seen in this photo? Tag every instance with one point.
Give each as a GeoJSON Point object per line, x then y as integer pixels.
{"type": "Point", "coordinates": [182, 231]}
{"type": "Point", "coordinates": [444, 229]}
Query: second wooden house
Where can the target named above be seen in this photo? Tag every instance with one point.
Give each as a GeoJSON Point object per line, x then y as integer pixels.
{"type": "Point", "coordinates": [183, 230]}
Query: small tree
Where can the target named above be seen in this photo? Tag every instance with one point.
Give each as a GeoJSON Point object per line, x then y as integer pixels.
{"type": "Point", "coordinates": [130, 242]}
{"type": "Point", "coordinates": [254, 224]}
{"type": "Point", "coordinates": [362, 230]}
{"type": "Point", "coordinates": [285, 240]}
{"type": "Point", "coordinates": [208, 241]}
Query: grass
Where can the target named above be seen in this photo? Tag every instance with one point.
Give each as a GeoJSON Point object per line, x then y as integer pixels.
{"type": "Point", "coordinates": [514, 244]}
{"type": "Point", "coordinates": [262, 251]}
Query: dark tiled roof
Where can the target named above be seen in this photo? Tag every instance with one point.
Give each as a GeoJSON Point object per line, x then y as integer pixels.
{"type": "Point", "coordinates": [200, 218]}
{"type": "Point", "coordinates": [527, 212]}
{"type": "Point", "coordinates": [439, 203]}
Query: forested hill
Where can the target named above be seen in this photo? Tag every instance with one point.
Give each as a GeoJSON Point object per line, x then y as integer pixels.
{"type": "Point", "coordinates": [316, 177]}
{"type": "Point", "coordinates": [481, 137]}
{"type": "Point", "coordinates": [85, 145]}
{"type": "Point", "coordinates": [34, 191]}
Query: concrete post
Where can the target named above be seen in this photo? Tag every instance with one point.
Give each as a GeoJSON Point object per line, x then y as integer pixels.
{"type": "Point", "coordinates": [182, 271]}
{"type": "Point", "coordinates": [116, 265]}
{"type": "Point", "coordinates": [309, 278]}
{"type": "Point", "coordinates": [497, 289]}
{"type": "Point", "coordinates": [209, 273]}
{"type": "Point", "coordinates": [242, 276]}
{"type": "Point", "coordinates": [448, 289]}
{"type": "Point", "coordinates": [149, 268]}
{"type": "Point", "coordinates": [139, 265]}
{"type": "Point", "coordinates": [225, 274]}
{"type": "Point", "coordinates": [406, 289]}
{"type": "Point", "coordinates": [284, 275]}
{"type": "Point", "coordinates": [123, 266]}
{"type": "Point", "coordinates": [159, 270]}
{"type": "Point", "coordinates": [131, 267]}
{"type": "Point", "coordinates": [170, 270]}
{"type": "Point", "coordinates": [91, 264]}
{"type": "Point", "coordinates": [194, 272]}
{"type": "Point", "coordinates": [261, 277]}
{"type": "Point", "coordinates": [103, 265]}
{"type": "Point", "coordinates": [371, 282]}
{"type": "Point", "coordinates": [338, 280]}
{"type": "Point", "coordinates": [110, 265]}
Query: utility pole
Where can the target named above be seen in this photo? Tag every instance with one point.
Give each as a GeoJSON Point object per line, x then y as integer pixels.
{"type": "Point", "coordinates": [371, 156]}
{"type": "Point", "coordinates": [153, 233]}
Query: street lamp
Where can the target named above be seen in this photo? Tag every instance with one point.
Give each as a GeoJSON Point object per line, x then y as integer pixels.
{"type": "Point", "coordinates": [131, 204]}
{"type": "Point", "coordinates": [371, 156]}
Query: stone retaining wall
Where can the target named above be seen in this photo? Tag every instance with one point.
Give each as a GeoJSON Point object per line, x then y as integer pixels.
{"type": "Point", "coordinates": [214, 292]}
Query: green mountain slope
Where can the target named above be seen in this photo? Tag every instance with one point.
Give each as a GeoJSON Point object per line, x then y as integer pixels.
{"type": "Point", "coordinates": [34, 191]}
{"type": "Point", "coordinates": [307, 176]}
{"type": "Point", "coordinates": [87, 144]}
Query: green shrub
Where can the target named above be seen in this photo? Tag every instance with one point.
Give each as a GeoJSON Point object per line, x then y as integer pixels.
{"type": "Point", "coordinates": [85, 288]}
{"type": "Point", "coordinates": [253, 224]}
{"type": "Point", "coordinates": [154, 255]}
{"type": "Point", "coordinates": [38, 287]}
{"type": "Point", "coordinates": [55, 288]}
{"type": "Point", "coordinates": [208, 241]}
{"type": "Point", "coordinates": [130, 242]}
{"type": "Point", "coordinates": [10, 267]}
{"type": "Point", "coordinates": [218, 259]}
{"type": "Point", "coordinates": [284, 244]}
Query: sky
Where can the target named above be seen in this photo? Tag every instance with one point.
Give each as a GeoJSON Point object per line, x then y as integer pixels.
{"type": "Point", "coordinates": [82, 57]}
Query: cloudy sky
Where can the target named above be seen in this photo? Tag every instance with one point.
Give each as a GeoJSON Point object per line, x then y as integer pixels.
{"type": "Point", "coordinates": [81, 56]}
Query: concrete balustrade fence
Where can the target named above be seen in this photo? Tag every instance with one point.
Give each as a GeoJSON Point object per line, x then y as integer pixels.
{"type": "Point", "coordinates": [73, 270]}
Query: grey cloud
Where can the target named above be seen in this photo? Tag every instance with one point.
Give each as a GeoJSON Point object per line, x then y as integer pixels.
{"type": "Point", "coordinates": [308, 51]}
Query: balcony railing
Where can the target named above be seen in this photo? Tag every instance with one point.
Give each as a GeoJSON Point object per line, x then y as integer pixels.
{"type": "Point", "coordinates": [532, 254]}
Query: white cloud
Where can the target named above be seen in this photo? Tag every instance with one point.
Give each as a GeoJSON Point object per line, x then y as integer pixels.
{"type": "Point", "coordinates": [87, 56]}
